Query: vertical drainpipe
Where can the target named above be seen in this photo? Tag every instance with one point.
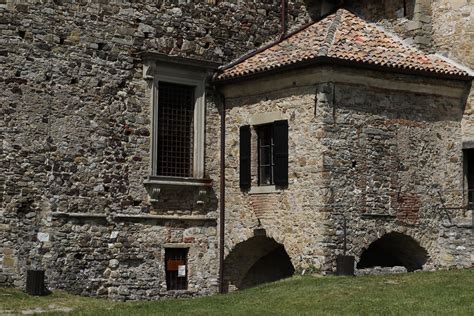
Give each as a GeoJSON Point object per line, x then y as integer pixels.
{"type": "Point", "coordinates": [283, 18]}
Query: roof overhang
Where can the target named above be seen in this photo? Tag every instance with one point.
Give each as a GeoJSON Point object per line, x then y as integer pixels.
{"type": "Point", "coordinates": [328, 61]}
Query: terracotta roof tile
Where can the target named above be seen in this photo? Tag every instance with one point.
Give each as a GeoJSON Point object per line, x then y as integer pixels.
{"type": "Point", "coordinates": [340, 36]}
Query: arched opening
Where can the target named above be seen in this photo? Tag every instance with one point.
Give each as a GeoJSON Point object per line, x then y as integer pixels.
{"type": "Point", "coordinates": [394, 249]}
{"type": "Point", "coordinates": [255, 261]}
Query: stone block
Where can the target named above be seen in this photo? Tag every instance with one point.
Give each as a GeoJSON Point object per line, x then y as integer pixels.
{"type": "Point", "coordinates": [456, 4]}
{"type": "Point", "coordinates": [412, 25]}
{"type": "Point", "coordinates": [4, 227]}
{"type": "Point", "coordinates": [8, 262]}
{"type": "Point", "coordinates": [422, 40]}
{"type": "Point", "coordinates": [7, 251]}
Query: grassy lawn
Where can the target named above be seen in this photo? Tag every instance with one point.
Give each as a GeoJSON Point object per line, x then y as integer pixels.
{"type": "Point", "coordinates": [427, 293]}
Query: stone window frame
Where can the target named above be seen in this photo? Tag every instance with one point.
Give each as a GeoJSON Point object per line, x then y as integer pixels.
{"type": "Point", "coordinates": [185, 71]}
{"type": "Point", "coordinates": [258, 119]}
{"type": "Point", "coordinates": [174, 75]}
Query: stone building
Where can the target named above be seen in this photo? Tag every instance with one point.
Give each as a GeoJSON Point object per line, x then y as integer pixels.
{"type": "Point", "coordinates": [342, 120]}
{"type": "Point", "coordinates": [111, 156]}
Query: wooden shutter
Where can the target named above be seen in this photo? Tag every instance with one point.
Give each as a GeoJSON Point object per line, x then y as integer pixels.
{"type": "Point", "coordinates": [245, 157]}
{"type": "Point", "coordinates": [280, 152]}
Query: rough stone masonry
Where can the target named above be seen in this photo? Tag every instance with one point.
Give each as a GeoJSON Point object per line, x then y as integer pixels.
{"type": "Point", "coordinates": [76, 137]}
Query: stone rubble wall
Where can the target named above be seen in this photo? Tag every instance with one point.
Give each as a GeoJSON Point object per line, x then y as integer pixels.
{"type": "Point", "coordinates": [124, 260]}
{"type": "Point", "coordinates": [288, 216]}
{"type": "Point", "coordinates": [381, 157]}
{"type": "Point", "coordinates": [395, 161]}
{"type": "Point", "coordinates": [76, 136]}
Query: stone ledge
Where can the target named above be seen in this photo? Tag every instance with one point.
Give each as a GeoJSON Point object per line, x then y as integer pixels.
{"type": "Point", "coordinates": [175, 181]}
{"type": "Point", "coordinates": [461, 224]}
{"type": "Point", "coordinates": [167, 217]}
{"type": "Point", "coordinates": [138, 216]}
{"type": "Point", "coordinates": [80, 215]}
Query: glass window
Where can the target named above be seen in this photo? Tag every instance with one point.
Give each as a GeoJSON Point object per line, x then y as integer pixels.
{"type": "Point", "coordinates": [265, 154]}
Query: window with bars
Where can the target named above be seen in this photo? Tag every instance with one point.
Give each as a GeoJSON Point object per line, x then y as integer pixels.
{"type": "Point", "coordinates": [176, 268]}
{"type": "Point", "coordinates": [175, 130]}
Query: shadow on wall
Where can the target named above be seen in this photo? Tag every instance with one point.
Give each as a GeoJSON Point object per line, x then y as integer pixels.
{"type": "Point", "coordinates": [394, 249]}
{"type": "Point", "coordinates": [255, 261]}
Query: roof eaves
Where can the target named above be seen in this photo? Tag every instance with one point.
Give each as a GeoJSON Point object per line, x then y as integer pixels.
{"type": "Point", "coordinates": [469, 71]}
{"type": "Point", "coordinates": [324, 60]}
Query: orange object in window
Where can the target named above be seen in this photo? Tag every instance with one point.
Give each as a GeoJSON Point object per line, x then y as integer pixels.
{"type": "Point", "coordinates": [172, 265]}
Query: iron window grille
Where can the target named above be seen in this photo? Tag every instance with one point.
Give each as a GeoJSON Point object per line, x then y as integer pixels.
{"type": "Point", "coordinates": [175, 259]}
{"type": "Point", "coordinates": [265, 154]}
{"type": "Point", "coordinates": [175, 130]}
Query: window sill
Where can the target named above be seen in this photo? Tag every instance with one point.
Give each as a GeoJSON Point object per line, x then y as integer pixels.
{"type": "Point", "coordinates": [266, 189]}
{"type": "Point", "coordinates": [176, 181]}
{"type": "Point", "coordinates": [155, 184]}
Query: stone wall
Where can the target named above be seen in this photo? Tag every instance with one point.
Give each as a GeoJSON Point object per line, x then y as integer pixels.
{"type": "Point", "coordinates": [453, 22]}
{"type": "Point", "coordinates": [386, 155]}
{"type": "Point", "coordinates": [440, 26]}
{"type": "Point", "coordinates": [76, 138]}
{"type": "Point", "coordinates": [125, 260]}
{"type": "Point", "coordinates": [396, 165]}
{"type": "Point", "coordinates": [284, 214]}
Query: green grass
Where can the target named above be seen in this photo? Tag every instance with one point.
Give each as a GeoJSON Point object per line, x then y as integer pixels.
{"type": "Point", "coordinates": [426, 293]}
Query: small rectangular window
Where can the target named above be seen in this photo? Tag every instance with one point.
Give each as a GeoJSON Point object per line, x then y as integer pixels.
{"type": "Point", "coordinates": [265, 154]}
{"type": "Point", "coordinates": [175, 130]}
{"type": "Point", "coordinates": [176, 268]}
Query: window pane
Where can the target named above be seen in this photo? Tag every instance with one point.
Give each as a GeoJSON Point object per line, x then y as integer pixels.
{"type": "Point", "coordinates": [265, 135]}
{"type": "Point", "coordinates": [265, 154]}
{"type": "Point", "coordinates": [266, 175]}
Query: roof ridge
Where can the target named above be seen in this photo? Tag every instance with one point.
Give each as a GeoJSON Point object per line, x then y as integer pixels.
{"type": "Point", "coordinates": [394, 36]}
{"type": "Point", "coordinates": [331, 34]}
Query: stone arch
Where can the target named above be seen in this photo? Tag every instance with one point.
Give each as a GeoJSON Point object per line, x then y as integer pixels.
{"type": "Point", "coordinates": [394, 249]}
{"type": "Point", "coordinates": [257, 260]}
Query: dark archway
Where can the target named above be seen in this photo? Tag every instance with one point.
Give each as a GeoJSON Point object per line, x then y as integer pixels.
{"type": "Point", "coordinates": [394, 249]}
{"type": "Point", "coordinates": [255, 261]}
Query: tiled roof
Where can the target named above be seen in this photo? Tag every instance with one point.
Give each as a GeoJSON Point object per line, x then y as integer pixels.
{"type": "Point", "coordinates": [341, 36]}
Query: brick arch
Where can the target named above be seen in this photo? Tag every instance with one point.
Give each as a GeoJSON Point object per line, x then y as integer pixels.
{"type": "Point", "coordinates": [257, 260]}
{"type": "Point", "coordinates": [393, 249]}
